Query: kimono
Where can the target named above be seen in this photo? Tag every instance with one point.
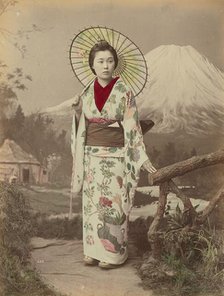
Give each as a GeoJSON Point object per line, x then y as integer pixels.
{"type": "Point", "coordinates": [108, 176]}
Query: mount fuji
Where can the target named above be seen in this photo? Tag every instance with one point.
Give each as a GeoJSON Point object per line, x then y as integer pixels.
{"type": "Point", "coordinates": [185, 94]}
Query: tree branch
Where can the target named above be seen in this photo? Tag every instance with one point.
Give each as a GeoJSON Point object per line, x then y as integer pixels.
{"type": "Point", "coordinates": [6, 5]}
{"type": "Point", "coordinates": [210, 207]}
{"type": "Point", "coordinates": [183, 167]}
{"type": "Point", "coordinates": [186, 200]}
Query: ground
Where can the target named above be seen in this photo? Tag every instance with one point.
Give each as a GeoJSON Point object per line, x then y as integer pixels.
{"type": "Point", "coordinates": [60, 261]}
{"type": "Point", "coordinates": [60, 264]}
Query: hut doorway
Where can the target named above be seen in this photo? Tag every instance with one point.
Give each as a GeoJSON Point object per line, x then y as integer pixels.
{"type": "Point", "coordinates": [26, 175]}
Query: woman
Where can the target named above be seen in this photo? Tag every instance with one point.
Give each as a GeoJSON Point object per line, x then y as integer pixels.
{"type": "Point", "coordinates": [109, 154]}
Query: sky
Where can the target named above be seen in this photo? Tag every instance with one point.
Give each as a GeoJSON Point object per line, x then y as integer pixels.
{"type": "Point", "coordinates": [148, 23]}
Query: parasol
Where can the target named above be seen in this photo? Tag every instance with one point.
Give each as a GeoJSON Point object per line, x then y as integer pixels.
{"type": "Point", "coordinates": [132, 67]}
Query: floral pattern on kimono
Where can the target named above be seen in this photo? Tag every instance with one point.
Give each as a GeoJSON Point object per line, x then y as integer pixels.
{"type": "Point", "coordinates": [126, 111]}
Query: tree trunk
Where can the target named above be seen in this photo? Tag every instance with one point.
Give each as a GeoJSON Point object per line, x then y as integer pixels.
{"type": "Point", "coordinates": [153, 237]}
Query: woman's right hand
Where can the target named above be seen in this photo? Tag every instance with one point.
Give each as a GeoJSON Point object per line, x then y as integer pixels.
{"type": "Point", "coordinates": [76, 100]}
{"type": "Point", "coordinates": [147, 165]}
{"type": "Point", "coordinates": [77, 103]}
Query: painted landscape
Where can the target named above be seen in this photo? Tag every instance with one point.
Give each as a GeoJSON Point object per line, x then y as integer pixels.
{"type": "Point", "coordinates": [176, 236]}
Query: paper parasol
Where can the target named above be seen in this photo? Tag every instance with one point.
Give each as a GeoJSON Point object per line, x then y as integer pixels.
{"type": "Point", "coordinates": [132, 67]}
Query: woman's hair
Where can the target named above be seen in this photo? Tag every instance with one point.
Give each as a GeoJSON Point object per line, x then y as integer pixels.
{"type": "Point", "coordinates": [102, 45]}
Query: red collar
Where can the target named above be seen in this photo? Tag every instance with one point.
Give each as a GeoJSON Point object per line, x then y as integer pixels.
{"type": "Point", "coordinates": [101, 93]}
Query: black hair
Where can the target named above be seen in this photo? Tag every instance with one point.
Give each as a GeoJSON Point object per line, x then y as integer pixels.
{"type": "Point", "coordinates": [102, 45]}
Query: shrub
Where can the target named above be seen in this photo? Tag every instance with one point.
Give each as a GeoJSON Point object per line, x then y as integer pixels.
{"type": "Point", "coordinates": [192, 259]}
{"type": "Point", "coordinates": [138, 233]}
{"type": "Point", "coordinates": [15, 226]}
{"type": "Point", "coordinates": [16, 275]}
{"type": "Point", "coordinates": [57, 227]}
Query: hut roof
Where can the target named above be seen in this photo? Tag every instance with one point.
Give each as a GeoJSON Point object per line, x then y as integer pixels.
{"type": "Point", "coordinates": [10, 152]}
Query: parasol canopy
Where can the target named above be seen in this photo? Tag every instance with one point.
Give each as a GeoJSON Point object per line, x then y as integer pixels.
{"type": "Point", "coordinates": [132, 67]}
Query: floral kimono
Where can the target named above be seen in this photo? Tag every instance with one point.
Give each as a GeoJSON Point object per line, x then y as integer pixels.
{"type": "Point", "coordinates": [108, 176]}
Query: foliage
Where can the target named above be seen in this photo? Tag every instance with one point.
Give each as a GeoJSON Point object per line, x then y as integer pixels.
{"type": "Point", "coordinates": [12, 80]}
{"type": "Point", "coordinates": [14, 38]}
{"type": "Point", "coordinates": [36, 135]}
{"type": "Point", "coordinates": [50, 201]}
{"type": "Point", "coordinates": [192, 255]}
{"type": "Point", "coordinates": [10, 83]}
{"type": "Point", "coordinates": [197, 251]}
{"type": "Point", "coordinates": [184, 281]}
{"type": "Point", "coordinates": [211, 267]}
{"type": "Point", "coordinates": [138, 233]}
{"type": "Point", "coordinates": [15, 227]}
{"type": "Point", "coordinates": [57, 227]}
{"type": "Point", "coordinates": [16, 275]}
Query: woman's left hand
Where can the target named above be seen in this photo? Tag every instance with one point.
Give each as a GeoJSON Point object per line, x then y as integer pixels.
{"type": "Point", "coordinates": [147, 165]}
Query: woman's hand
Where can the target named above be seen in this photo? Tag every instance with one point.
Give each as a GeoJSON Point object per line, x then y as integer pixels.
{"type": "Point", "coordinates": [77, 103]}
{"type": "Point", "coordinates": [147, 165]}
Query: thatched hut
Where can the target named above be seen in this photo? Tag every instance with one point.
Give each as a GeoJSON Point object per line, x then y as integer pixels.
{"type": "Point", "coordinates": [17, 165]}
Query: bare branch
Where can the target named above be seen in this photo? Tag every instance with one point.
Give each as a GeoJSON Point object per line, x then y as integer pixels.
{"type": "Point", "coordinates": [210, 207]}
{"type": "Point", "coordinates": [186, 200]}
{"type": "Point", "coordinates": [183, 167]}
{"type": "Point", "coordinates": [4, 31]}
{"type": "Point", "coordinates": [15, 38]}
{"type": "Point", "coordinates": [5, 5]}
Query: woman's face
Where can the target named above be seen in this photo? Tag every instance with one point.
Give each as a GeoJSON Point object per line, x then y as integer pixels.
{"type": "Point", "coordinates": [104, 65]}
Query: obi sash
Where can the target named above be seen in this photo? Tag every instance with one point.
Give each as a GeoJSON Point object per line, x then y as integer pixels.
{"type": "Point", "coordinates": [109, 136]}
{"type": "Point", "coordinates": [98, 134]}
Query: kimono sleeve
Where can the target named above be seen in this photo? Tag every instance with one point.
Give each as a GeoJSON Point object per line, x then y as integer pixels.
{"type": "Point", "coordinates": [134, 145]}
{"type": "Point", "coordinates": [135, 152]}
{"type": "Point", "coordinates": [77, 148]}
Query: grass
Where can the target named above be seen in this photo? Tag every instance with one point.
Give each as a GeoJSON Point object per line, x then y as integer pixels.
{"type": "Point", "coordinates": [183, 282]}
{"type": "Point", "coordinates": [192, 260]}
{"type": "Point", "coordinates": [50, 201]}
{"type": "Point", "coordinates": [32, 286]}
{"type": "Point", "coordinates": [61, 228]}
{"type": "Point", "coordinates": [53, 200]}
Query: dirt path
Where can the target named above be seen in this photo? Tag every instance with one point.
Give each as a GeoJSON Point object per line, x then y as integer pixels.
{"type": "Point", "coordinates": [60, 263]}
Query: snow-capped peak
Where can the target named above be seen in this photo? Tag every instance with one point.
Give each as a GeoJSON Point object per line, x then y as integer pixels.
{"type": "Point", "coordinates": [185, 90]}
